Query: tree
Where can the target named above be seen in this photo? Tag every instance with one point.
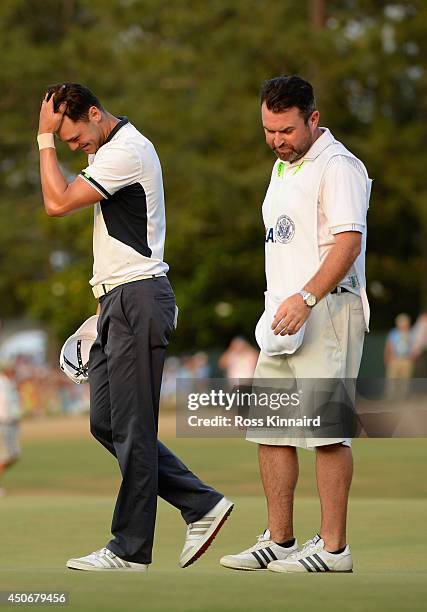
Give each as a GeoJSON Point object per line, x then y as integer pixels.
{"type": "Point", "coordinates": [188, 75]}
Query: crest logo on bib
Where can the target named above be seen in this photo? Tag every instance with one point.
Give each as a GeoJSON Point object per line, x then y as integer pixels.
{"type": "Point", "coordinates": [285, 229]}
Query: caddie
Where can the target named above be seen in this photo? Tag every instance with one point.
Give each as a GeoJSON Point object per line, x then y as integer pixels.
{"type": "Point", "coordinates": [123, 180]}
{"type": "Point", "coordinates": [316, 315]}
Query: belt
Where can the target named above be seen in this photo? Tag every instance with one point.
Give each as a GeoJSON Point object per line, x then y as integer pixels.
{"type": "Point", "coordinates": [340, 290]}
{"type": "Point", "coordinates": [104, 288]}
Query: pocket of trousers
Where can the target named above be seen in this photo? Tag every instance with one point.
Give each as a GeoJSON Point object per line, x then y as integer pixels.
{"type": "Point", "coordinates": [330, 306]}
{"type": "Point", "coordinates": [123, 311]}
{"type": "Point", "coordinates": [167, 309]}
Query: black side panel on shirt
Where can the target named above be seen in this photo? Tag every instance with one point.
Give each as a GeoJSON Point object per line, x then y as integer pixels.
{"type": "Point", "coordinates": [125, 216]}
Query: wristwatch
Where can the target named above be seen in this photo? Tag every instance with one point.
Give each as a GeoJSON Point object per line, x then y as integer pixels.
{"type": "Point", "coordinates": [309, 298]}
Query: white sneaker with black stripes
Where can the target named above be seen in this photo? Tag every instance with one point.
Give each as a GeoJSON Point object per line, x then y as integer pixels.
{"type": "Point", "coordinates": [105, 560]}
{"type": "Point", "coordinates": [314, 558]}
{"type": "Point", "coordinates": [258, 556]}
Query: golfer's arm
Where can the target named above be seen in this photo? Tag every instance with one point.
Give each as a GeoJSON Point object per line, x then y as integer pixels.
{"type": "Point", "coordinates": [61, 198]}
{"type": "Point", "coordinates": [336, 264]}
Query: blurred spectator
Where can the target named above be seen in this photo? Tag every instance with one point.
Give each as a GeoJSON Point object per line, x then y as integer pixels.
{"type": "Point", "coordinates": [44, 390]}
{"type": "Point", "coordinates": [185, 367]}
{"type": "Point", "coordinates": [239, 360]}
{"type": "Point", "coordinates": [189, 367]}
{"type": "Point", "coordinates": [170, 373]}
{"type": "Point", "coordinates": [398, 358]}
{"type": "Point", "coordinates": [419, 346]}
{"type": "Point", "coordinates": [200, 366]}
{"type": "Point", "coordinates": [10, 414]}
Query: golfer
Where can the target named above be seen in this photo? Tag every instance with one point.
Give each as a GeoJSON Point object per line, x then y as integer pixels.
{"type": "Point", "coordinates": [123, 182]}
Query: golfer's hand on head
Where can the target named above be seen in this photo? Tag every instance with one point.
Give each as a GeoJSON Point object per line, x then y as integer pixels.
{"type": "Point", "coordinates": [290, 316]}
{"type": "Point", "coordinates": [49, 121]}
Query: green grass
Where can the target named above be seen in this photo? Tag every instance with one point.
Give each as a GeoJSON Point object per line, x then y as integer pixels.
{"type": "Point", "coordinates": [383, 468]}
{"type": "Point", "coordinates": [61, 499]}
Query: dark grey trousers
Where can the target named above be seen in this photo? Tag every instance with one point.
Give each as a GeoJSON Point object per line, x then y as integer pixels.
{"type": "Point", "coordinates": [125, 373]}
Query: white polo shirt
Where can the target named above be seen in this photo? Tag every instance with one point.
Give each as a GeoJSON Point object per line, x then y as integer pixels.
{"type": "Point", "coordinates": [342, 207]}
{"type": "Point", "coordinates": [129, 223]}
{"type": "Point", "coordinates": [306, 205]}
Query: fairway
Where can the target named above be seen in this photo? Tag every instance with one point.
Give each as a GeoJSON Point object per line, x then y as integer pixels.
{"type": "Point", "coordinates": [60, 503]}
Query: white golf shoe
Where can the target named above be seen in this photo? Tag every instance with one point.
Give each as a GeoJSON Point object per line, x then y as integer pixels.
{"type": "Point", "coordinates": [314, 558]}
{"type": "Point", "coordinates": [201, 533]}
{"type": "Point", "coordinates": [105, 560]}
{"type": "Point", "coordinates": [258, 556]}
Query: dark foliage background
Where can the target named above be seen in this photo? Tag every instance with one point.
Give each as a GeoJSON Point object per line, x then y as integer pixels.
{"type": "Point", "coordinates": [187, 73]}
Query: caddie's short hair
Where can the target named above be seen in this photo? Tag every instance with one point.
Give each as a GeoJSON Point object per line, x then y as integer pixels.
{"type": "Point", "coordinates": [285, 92]}
{"type": "Point", "coordinates": [78, 98]}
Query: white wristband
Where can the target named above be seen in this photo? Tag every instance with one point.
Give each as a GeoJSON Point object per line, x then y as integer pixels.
{"type": "Point", "coordinates": [46, 141]}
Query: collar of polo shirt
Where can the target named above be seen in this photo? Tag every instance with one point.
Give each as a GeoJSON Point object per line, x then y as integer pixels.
{"type": "Point", "coordinates": [324, 141]}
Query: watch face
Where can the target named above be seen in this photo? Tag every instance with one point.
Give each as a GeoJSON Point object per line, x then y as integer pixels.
{"type": "Point", "coordinates": [311, 300]}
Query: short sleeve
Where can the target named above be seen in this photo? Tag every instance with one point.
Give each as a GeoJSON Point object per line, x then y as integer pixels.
{"type": "Point", "coordinates": [344, 194]}
{"type": "Point", "coordinates": [349, 227]}
{"type": "Point", "coordinates": [114, 167]}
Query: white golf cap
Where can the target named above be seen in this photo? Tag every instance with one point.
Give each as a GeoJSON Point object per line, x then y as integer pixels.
{"type": "Point", "coordinates": [88, 327]}
{"type": "Point", "coordinates": [74, 357]}
{"type": "Point", "coordinates": [270, 344]}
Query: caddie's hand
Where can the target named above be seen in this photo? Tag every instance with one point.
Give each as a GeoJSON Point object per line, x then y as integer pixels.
{"type": "Point", "coordinates": [290, 316]}
{"type": "Point", "coordinates": [49, 121]}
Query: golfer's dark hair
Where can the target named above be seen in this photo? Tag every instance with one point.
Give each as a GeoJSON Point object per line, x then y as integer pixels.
{"type": "Point", "coordinates": [284, 92]}
{"type": "Point", "coordinates": [78, 98]}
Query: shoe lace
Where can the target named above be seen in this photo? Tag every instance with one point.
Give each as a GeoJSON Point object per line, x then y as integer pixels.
{"type": "Point", "coordinates": [103, 551]}
{"type": "Point", "coordinates": [262, 541]}
{"type": "Point", "coordinates": [307, 548]}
